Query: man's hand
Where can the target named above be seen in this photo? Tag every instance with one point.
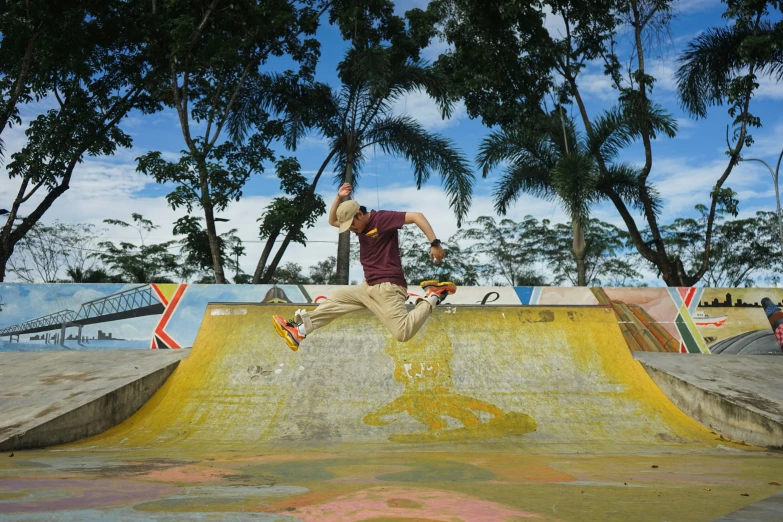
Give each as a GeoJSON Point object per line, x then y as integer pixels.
{"type": "Point", "coordinates": [437, 254]}
{"type": "Point", "coordinates": [345, 190]}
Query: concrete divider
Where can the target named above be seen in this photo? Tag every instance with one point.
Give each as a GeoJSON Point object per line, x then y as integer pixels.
{"type": "Point", "coordinates": [737, 396]}
{"type": "Point", "coordinates": [51, 398]}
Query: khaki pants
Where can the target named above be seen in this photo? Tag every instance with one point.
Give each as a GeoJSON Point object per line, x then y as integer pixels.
{"type": "Point", "coordinates": [385, 300]}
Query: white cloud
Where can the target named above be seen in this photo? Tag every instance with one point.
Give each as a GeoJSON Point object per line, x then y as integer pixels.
{"type": "Point", "coordinates": [682, 184]}
{"type": "Point", "coordinates": [597, 85]}
{"type": "Point", "coordinates": [769, 88]}
{"type": "Point", "coordinates": [554, 24]}
{"type": "Point", "coordinates": [768, 143]}
{"type": "Point", "coordinates": [694, 6]}
{"type": "Point", "coordinates": [423, 108]}
{"type": "Point", "coordinates": [664, 71]}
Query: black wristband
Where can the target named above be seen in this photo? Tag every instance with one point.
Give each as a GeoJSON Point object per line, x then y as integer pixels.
{"type": "Point", "coordinates": [435, 243]}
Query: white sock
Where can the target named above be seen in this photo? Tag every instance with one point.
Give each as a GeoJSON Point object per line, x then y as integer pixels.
{"type": "Point", "coordinates": [301, 330]}
{"type": "Point", "coordinates": [433, 299]}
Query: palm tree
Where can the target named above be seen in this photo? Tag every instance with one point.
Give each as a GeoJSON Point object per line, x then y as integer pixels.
{"type": "Point", "coordinates": [551, 159]}
{"type": "Point", "coordinates": [358, 117]}
{"type": "Point", "coordinates": [722, 65]}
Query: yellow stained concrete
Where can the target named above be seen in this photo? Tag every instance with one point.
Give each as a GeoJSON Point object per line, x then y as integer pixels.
{"type": "Point", "coordinates": [538, 378]}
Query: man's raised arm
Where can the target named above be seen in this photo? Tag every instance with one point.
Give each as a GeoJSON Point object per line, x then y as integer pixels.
{"type": "Point", "coordinates": [417, 218]}
{"type": "Point", "coordinates": [343, 192]}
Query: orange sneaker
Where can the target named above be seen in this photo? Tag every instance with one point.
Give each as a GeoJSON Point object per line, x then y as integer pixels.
{"type": "Point", "coordinates": [289, 331]}
{"type": "Point", "coordinates": [442, 290]}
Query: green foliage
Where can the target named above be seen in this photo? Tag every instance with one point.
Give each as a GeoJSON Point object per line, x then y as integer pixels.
{"type": "Point", "coordinates": [48, 252]}
{"type": "Point", "coordinates": [142, 263]}
{"type": "Point", "coordinates": [537, 253]}
{"type": "Point", "coordinates": [292, 214]}
{"type": "Point", "coordinates": [505, 64]}
{"type": "Point", "coordinates": [608, 259]}
{"type": "Point", "coordinates": [458, 266]}
{"type": "Point", "coordinates": [504, 250]}
{"type": "Point", "coordinates": [287, 214]}
{"type": "Point", "coordinates": [324, 272]}
{"type": "Point", "coordinates": [289, 273]}
{"type": "Point", "coordinates": [211, 53]}
{"type": "Point", "coordinates": [742, 250]}
{"type": "Point", "coordinates": [92, 60]}
{"type": "Point", "coordinates": [722, 64]}
{"type": "Point", "coordinates": [550, 159]}
{"type": "Point", "coordinates": [196, 252]}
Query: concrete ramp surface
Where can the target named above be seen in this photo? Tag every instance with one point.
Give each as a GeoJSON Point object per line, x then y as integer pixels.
{"type": "Point", "coordinates": [488, 414]}
{"type": "Point", "coordinates": [545, 379]}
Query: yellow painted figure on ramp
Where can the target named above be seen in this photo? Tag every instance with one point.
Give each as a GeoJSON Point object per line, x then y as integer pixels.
{"type": "Point", "coordinates": [422, 365]}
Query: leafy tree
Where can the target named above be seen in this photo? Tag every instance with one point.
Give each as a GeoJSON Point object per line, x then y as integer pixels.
{"type": "Point", "coordinates": [324, 273]}
{"type": "Point", "coordinates": [743, 249]}
{"type": "Point", "coordinates": [550, 159]}
{"type": "Point", "coordinates": [211, 48]}
{"type": "Point", "coordinates": [46, 252]}
{"type": "Point", "coordinates": [458, 266]}
{"type": "Point", "coordinates": [382, 66]}
{"type": "Point", "coordinates": [508, 67]}
{"type": "Point", "coordinates": [606, 259]}
{"type": "Point", "coordinates": [89, 60]}
{"type": "Point", "coordinates": [140, 263]}
{"type": "Point", "coordinates": [287, 214]}
{"type": "Point", "coordinates": [92, 275]}
{"type": "Point", "coordinates": [722, 65]}
{"type": "Point", "coordinates": [289, 273]}
{"type": "Point", "coordinates": [503, 251]}
{"type": "Point", "coordinates": [196, 251]}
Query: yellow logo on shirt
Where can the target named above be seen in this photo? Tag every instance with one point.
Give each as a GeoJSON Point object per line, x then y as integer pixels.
{"type": "Point", "coordinates": [372, 233]}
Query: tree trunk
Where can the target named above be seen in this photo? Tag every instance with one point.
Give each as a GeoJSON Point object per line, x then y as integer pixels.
{"type": "Point", "coordinates": [259, 276]}
{"type": "Point", "coordinates": [270, 272]}
{"type": "Point", "coordinates": [344, 242]}
{"type": "Point", "coordinates": [579, 253]}
{"type": "Point", "coordinates": [4, 257]}
{"type": "Point", "coordinates": [270, 243]}
{"type": "Point", "coordinates": [209, 218]}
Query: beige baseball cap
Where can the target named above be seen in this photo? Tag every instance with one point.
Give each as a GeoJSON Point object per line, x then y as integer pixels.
{"type": "Point", "coordinates": [345, 214]}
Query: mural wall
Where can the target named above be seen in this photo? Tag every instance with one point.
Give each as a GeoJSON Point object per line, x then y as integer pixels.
{"type": "Point", "coordinates": [168, 316]}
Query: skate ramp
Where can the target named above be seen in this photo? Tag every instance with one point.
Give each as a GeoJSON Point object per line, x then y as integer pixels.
{"type": "Point", "coordinates": [535, 379]}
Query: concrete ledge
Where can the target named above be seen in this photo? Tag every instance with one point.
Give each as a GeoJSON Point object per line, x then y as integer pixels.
{"type": "Point", "coordinates": [737, 396]}
{"type": "Point", "coordinates": [50, 398]}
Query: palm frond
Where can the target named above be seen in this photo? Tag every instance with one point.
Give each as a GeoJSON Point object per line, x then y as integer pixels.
{"type": "Point", "coordinates": [518, 179]}
{"type": "Point", "coordinates": [707, 66]}
{"type": "Point", "coordinates": [402, 136]}
{"type": "Point", "coordinates": [302, 106]}
{"type": "Point", "coordinates": [624, 180]}
{"type": "Point", "coordinates": [610, 134]}
{"type": "Point", "coordinates": [574, 179]}
{"type": "Point", "coordinates": [514, 146]}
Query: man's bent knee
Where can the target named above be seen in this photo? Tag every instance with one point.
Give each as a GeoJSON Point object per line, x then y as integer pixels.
{"type": "Point", "coordinates": [403, 337]}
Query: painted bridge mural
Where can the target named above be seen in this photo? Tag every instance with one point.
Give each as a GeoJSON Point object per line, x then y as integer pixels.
{"type": "Point", "coordinates": [168, 316]}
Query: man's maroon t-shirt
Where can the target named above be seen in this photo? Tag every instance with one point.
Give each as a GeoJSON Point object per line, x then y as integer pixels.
{"type": "Point", "coordinates": [379, 248]}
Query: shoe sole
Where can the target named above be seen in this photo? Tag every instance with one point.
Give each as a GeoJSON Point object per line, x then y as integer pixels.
{"type": "Point", "coordinates": [437, 284]}
{"type": "Point", "coordinates": [285, 334]}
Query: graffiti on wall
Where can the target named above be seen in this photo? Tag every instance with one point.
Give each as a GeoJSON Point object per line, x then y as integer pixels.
{"type": "Point", "coordinates": [167, 316]}
{"type": "Point", "coordinates": [422, 366]}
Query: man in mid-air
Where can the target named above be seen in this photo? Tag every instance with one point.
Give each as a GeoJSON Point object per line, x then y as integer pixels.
{"type": "Point", "coordinates": [384, 288]}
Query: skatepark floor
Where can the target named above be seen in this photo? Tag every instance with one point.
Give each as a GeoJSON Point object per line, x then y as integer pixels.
{"type": "Point", "coordinates": [491, 414]}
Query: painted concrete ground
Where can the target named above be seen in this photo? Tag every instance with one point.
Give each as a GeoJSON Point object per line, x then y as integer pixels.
{"type": "Point", "coordinates": [343, 485]}
{"type": "Point", "coordinates": [489, 414]}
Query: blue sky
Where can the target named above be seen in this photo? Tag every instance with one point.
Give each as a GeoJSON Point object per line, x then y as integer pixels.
{"type": "Point", "coordinates": [685, 168]}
